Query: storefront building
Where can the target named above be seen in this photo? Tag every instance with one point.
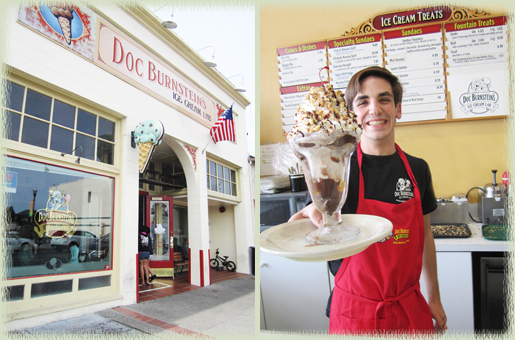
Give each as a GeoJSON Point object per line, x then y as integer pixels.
{"type": "Point", "coordinates": [78, 83]}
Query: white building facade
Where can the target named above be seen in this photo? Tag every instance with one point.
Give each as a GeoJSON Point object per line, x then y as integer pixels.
{"type": "Point", "coordinates": [74, 194]}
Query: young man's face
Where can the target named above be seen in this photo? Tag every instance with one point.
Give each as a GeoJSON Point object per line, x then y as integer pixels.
{"type": "Point", "coordinates": [376, 110]}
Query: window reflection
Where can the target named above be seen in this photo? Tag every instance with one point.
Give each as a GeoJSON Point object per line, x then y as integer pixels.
{"type": "Point", "coordinates": [14, 96]}
{"type": "Point", "coordinates": [38, 105]}
{"type": "Point", "coordinates": [12, 125]}
{"type": "Point", "coordinates": [62, 139]}
{"type": "Point", "coordinates": [64, 114]}
{"type": "Point", "coordinates": [105, 152]}
{"type": "Point", "coordinates": [87, 145]}
{"type": "Point", "coordinates": [106, 129]}
{"type": "Point", "coordinates": [35, 132]}
{"type": "Point", "coordinates": [86, 122]}
{"type": "Point", "coordinates": [58, 220]}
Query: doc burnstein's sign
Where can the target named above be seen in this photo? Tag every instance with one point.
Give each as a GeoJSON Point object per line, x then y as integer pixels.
{"type": "Point", "coordinates": [56, 216]}
{"type": "Point", "coordinates": [128, 60]}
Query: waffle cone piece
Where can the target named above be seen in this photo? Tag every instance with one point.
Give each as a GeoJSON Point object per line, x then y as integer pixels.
{"type": "Point", "coordinates": [66, 27]}
{"type": "Point", "coordinates": [64, 14]}
{"type": "Point", "coordinates": [145, 149]}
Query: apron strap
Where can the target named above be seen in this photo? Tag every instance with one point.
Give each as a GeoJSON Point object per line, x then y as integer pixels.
{"type": "Point", "coordinates": [404, 160]}
{"type": "Point", "coordinates": [406, 165]}
{"type": "Point", "coordinates": [387, 303]}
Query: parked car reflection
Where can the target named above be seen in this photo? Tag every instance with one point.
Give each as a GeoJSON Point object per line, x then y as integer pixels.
{"type": "Point", "coordinates": [17, 243]}
{"type": "Point", "coordinates": [22, 249]}
{"type": "Point", "coordinates": [83, 245]}
{"type": "Point", "coordinates": [99, 250]}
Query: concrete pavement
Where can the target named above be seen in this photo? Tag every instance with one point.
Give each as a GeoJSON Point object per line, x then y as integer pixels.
{"type": "Point", "coordinates": [223, 308]}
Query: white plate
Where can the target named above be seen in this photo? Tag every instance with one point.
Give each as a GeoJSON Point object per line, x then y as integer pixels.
{"type": "Point", "coordinates": [289, 239]}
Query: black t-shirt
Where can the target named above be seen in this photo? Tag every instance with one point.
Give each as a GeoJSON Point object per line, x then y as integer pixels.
{"type": "Point", "coordinates": [386, 180]}
{"type": "Point", "coordinates": [145, 240]}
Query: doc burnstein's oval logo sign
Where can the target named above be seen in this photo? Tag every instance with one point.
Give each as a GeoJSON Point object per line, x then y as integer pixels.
{"type": "Point", "coordinates": [479, 98]}
{"type": "Point", "coordinates": [56, 216]}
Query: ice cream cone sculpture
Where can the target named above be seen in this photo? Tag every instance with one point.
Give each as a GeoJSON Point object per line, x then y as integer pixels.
{"type": "Point", "coordinates": [147, 135]}
{"type": "Point", "coordinates": [64, 14]}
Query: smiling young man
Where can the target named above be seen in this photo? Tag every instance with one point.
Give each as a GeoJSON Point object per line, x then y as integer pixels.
{"type": "Point", "coordinates": [377, 291]}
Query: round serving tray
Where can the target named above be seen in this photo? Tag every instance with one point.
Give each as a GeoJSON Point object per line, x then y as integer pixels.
{"type": "Point", "coordinates": [289, 239]}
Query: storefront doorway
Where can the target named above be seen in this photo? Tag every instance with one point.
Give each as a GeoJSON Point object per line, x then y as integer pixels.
{"type": "Point", "coordinates": [159, 218]}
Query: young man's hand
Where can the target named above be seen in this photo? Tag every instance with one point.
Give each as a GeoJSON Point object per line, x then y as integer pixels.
{"type": "Point", "coordinates": [310, 211]}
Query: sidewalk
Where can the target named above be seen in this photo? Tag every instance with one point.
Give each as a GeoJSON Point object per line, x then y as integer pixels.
{"type": "Point", "coordinates": [223, 308]}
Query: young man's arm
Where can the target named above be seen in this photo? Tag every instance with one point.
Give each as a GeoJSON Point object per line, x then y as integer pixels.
{"type": "Point", "coordinates": [429, 274]}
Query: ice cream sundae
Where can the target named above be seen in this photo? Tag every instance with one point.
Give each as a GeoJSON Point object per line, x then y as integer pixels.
{"type": "Point", "coordinates": [324, 138]}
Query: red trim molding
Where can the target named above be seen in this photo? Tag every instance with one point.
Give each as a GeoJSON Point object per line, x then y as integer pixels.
{"type": "Point", "coordinates": [201, 268]}
{"type": "Point", "coordinates": [137, 278]}
{"type": "Point", "coordinates": [189, 265]}
{"type": "Point", "coordinates": [209, 256]}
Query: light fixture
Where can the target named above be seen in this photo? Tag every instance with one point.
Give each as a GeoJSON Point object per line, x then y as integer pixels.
{"type": "Point", "coordinates": [170, 24]}
{"type": "Point", "coordinates": [212, 62]}
{"type": "Point", "coordinates": [78, 159]}
{"type": "Point", "coordinates": [239, 89]}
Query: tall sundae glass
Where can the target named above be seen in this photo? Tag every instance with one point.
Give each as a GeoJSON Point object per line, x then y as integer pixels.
{"type": "Point", "coordinates": [324, 139]}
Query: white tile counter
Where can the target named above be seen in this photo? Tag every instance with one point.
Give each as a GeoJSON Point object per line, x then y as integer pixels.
{"type": "Point", "coordinates": [476, 242]}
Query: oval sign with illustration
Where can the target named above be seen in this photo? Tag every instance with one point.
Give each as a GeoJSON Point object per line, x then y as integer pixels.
{"type": "Point", "coordinates": [56, 216]}
{"type": "Point", "coordinates": [479, 99]}
{"type": "Point", "coordinates": [63, 19]}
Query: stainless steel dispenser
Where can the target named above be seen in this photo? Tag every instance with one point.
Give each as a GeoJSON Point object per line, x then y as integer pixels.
{"type": "Point", "coordinates": [493, 200]}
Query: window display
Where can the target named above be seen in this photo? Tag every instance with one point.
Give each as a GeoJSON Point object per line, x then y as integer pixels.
{"type": "Point", "coordinates": [58, 220]}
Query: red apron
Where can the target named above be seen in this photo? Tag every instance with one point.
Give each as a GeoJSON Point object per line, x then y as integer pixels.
{"type": "Point", "coordinates": [378, 291]}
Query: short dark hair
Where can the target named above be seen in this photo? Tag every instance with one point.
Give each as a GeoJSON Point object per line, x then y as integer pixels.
{"type": "Point", "coordinates": [354, 86]}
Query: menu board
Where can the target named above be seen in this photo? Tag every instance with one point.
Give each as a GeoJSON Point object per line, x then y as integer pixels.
{"type": "Point", "coordinates": [349, 55]}
{"type": "Point", "coordinates": [449, 70]}
{"type": "Point", "coordinates": [291, 97]}
{"type": "Point", "coordinates": [477, 67]}
{"type": "Point", "coordinates": [415, 56]}
{"type": "Point", "coordinates": [476, 42]}
{"type": "Point", "coordinates": [299, 68]}
{"type": "Point", "coordinates": [301, 64]}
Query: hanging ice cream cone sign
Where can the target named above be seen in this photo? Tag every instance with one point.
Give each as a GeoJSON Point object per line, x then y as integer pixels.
{"type": "Point", "coordinates": [147, 135]}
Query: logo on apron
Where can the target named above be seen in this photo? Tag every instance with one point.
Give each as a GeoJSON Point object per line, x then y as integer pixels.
{"type": "Point", "coordinates": [400, 236]}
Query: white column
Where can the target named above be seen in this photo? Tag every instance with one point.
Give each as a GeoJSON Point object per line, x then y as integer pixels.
{"type": "Point", "coordinates": [198, 224]}
{"type": "Point", "coordinates": [126, 217]}
{"type": "Point", "coordinates": [194, 164]}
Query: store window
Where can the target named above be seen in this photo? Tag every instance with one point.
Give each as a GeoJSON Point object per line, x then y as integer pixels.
{"type": "Point", "coordinates": [58, 220]}
{"type": "Point", "coordinates": [221, 178]}
{"type": "Point", "coordinates": [46, 122]}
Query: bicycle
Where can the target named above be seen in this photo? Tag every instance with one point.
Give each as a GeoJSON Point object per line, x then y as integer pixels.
{"type": "Point", "coordinates": [219, 261]}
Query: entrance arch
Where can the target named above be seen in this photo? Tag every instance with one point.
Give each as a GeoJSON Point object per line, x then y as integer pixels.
{"type": "Point", "coordinates": [195, 197]}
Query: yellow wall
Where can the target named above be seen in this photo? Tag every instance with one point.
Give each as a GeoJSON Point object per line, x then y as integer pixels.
{"type": "Point", "coordinates": [461, 155]}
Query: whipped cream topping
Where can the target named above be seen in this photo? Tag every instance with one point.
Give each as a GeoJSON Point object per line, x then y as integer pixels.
{"type": "Point", "coordinates": [323, 110]}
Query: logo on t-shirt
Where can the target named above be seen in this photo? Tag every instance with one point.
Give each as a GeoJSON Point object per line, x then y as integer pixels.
{"type": "Point", "coordinates": [403, 190]}
{"type": "Point", "coordinates": [143, 239]}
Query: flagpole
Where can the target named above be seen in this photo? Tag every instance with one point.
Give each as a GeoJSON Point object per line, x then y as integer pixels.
{"type": "Point", "coordinates": [210, 139]}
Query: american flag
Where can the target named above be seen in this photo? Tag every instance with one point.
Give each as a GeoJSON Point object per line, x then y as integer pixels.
{"type": "Point", "coordinates": [224, 127]}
